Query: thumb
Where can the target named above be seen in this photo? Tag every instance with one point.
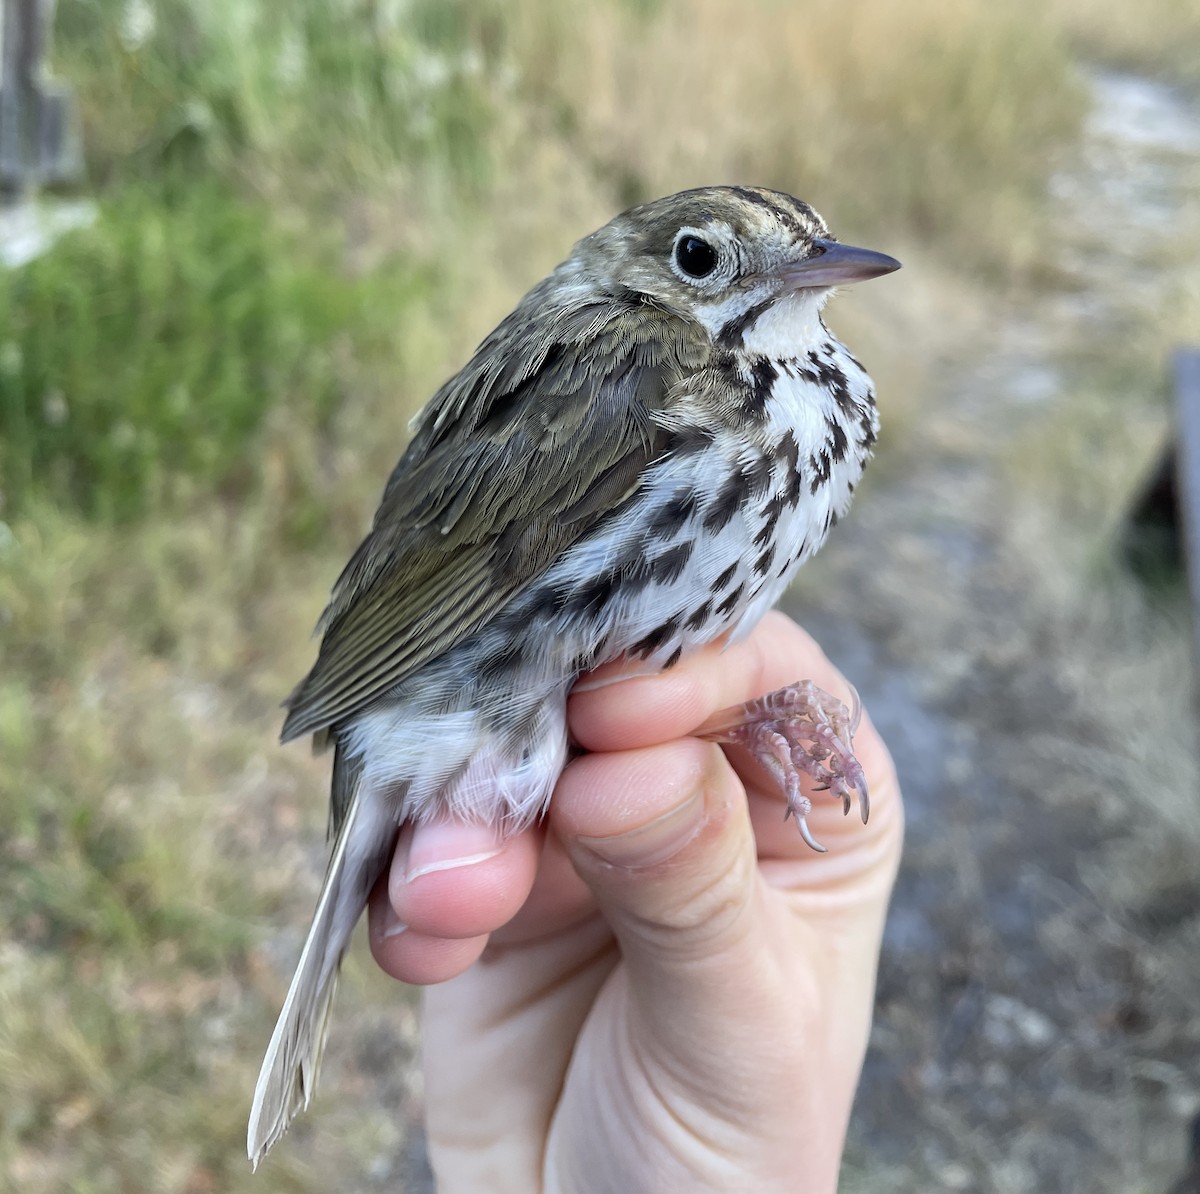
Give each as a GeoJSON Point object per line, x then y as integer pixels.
{"type": "Point", "coordinates": [662, 837]}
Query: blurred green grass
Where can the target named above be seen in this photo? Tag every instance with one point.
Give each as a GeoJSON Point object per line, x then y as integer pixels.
{"type": "Point", "coordinates": [149, 347]}
{"type": "Point", "coordinates": [308, 214]}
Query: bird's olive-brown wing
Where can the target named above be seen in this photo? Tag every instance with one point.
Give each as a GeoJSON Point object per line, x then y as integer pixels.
{"type": "Point", "coordinates": [540, 436]}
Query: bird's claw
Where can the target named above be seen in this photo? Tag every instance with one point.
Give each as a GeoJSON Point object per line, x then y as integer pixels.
{"type": "Point", "coordinates": [797, 730]}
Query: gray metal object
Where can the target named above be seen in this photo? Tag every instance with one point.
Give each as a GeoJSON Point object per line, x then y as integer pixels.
{"type": "Point", "coordinates": [1187, 470]}
{"type": "Point", "coordinates": [39, 132]}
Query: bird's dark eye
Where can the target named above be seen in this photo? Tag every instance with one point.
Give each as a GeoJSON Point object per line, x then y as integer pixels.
{"type": "Point", "coordinates": [696, 257]}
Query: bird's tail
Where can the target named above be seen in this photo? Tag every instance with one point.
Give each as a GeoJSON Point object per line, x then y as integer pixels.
{"type": "Point", "coordinates": [289, 1071]}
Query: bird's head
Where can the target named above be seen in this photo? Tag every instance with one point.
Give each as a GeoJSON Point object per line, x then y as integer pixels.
{"type": "Point", "coordinates": [723, 256]}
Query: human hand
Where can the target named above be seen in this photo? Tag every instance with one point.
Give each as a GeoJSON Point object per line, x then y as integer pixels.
{"type": "Point", "coordinates": [662, 989]}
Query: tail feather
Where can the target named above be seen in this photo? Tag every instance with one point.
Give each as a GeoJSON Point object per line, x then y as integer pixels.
{"type": "Point", "coordinates": [289, 1070]}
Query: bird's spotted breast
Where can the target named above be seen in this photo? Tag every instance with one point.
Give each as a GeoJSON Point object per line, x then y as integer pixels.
{"type": "Point", "coordinates": [728, 525]}
{"type": "Point", "coordinates": [705, 545]}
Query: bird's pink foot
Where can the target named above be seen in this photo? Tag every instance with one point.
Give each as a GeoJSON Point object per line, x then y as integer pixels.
{"type": "Point", "coordinates": [798, 730]}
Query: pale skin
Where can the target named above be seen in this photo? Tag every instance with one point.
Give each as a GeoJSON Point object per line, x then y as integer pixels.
{"type": "Point", "coordinates": [663, 989]}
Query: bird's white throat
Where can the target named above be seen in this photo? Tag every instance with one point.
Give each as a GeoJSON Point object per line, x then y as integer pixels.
{"type": "Point", "coordinates": [789, 327]}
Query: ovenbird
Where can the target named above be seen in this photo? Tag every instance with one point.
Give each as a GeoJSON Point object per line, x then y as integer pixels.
{"type": "Point", "coordinates": [633, 464]}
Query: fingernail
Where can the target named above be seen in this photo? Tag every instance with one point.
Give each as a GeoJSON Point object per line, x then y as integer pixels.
{"type": "Point", "coordinates": [447, 845]}
{"type": "Point", "coordinates": [614, 674]}
{"type": "Point", "coordinates": [393, 926]}
{"type": "Point", "coordinates": [655, 841]}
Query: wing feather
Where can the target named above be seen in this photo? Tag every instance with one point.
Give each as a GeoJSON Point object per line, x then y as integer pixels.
{"type": "Point", "coordinates": [518, 456]}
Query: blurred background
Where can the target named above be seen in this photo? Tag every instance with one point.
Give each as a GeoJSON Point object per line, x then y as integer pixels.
{"type": "Point", "coordinates": [293, 221]}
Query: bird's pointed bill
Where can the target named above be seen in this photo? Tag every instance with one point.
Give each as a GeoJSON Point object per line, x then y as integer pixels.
{"type": "Point", "coordinates": [834, 264]}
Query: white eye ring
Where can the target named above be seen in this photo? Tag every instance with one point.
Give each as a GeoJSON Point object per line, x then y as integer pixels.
{"type": "Point", "coordinates": [693, 256]}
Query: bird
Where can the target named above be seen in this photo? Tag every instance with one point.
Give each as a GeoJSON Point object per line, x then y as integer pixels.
{"type": "Point", "coordinates": [632, 465]}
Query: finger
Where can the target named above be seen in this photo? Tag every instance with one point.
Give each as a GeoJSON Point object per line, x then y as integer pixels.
{"type": "Point", "coordinates": [414, 957]}
{"type": "Point", "coordinates": [558, 901]}
{"type": "Point", "coordinates": [646, 710]}
{"type": "Point", "coordinates": [449, 881]}
{"type": "Point", "coordinates": [662, 837]}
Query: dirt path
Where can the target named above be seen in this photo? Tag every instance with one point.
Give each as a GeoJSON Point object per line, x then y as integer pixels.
{"type": "Point", "coordinates": [1038, 1022]}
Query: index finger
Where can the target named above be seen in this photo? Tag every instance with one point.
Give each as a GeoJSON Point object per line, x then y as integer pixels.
{"type": "Point", "coordinates": [649, 710]}
{"type": "Point", "coordinates": [646, 710]}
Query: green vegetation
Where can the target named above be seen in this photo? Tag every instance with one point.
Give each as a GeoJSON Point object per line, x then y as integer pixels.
{"type": "Point", "coordinates": [308, 214]}
{"type": "Point", "coordinates": [150, 347]}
